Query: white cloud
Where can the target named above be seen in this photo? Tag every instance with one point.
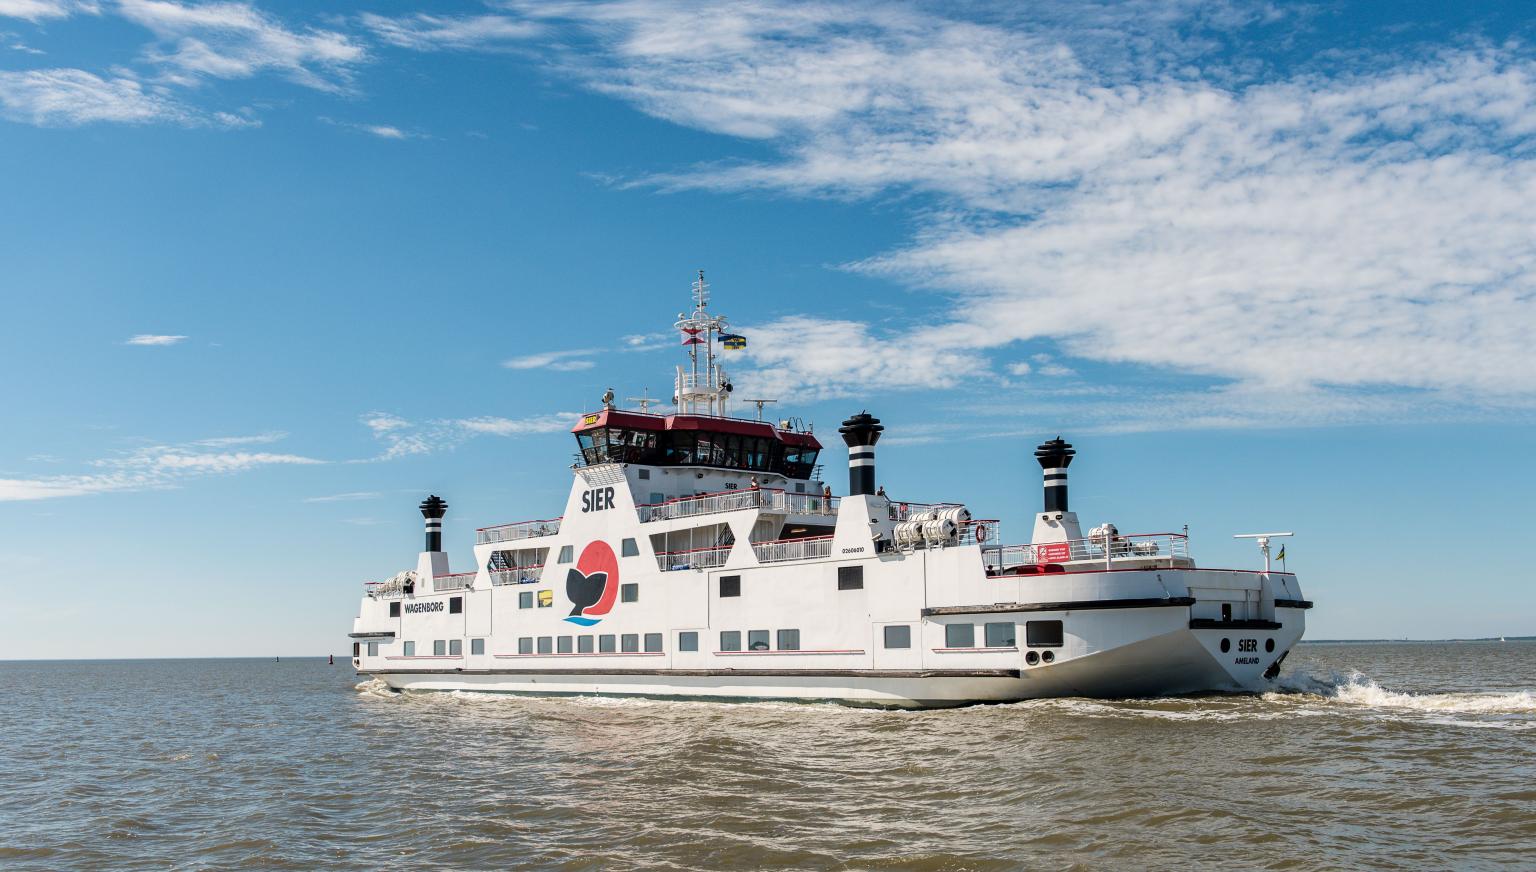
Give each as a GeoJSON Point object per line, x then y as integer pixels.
{"type": "Point", "coordinates": [69, 97]}
{"type": "Point", "coordinates": [157, 466]}
{"type": "Point", "coordinates": [233, 40]}
{"type": "Point", "coordinates": [1327, 235]}
{"type": "Point", "coordinates": [226, 441]}
{"type": "Point", "coordinates": [559, 361]}
{"type": "Point", "coordinates": [1018, 368]}
{"type": "Point", "coordinates": [345, 498]}
{"type": "Point", "coordinates": [556, 423]}
{"type": "Point", "coordinates": [40, 10]}
{"type": "Point", "coordinates": [154, 339]}
{"type": "Point", "coordinates": [424, 32]}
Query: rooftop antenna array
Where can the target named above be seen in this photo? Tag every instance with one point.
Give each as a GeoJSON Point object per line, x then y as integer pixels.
{"type": "Point", "coordinates": [1263, 540]}
{"type": "Point", "coordinates": [701, 328]}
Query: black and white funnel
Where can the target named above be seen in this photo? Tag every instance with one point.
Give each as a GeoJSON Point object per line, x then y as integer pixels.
{"type": "Point", "coordinates": [1055, 456]}
{"type": "Point", "coordinates": [433, 508]}
{"type": "Point", "coordinates": [861, 432]}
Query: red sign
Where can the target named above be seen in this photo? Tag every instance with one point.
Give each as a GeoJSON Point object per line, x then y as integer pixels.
{"type": "Point", "coordinates": [1054, 552]}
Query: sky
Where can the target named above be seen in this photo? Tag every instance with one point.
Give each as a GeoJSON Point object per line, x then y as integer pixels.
{"type": "Point", "coordinates": [271, 273]}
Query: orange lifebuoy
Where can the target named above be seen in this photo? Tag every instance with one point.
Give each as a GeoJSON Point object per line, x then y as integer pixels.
{"type": "Point", "coordinates": [981, 533]}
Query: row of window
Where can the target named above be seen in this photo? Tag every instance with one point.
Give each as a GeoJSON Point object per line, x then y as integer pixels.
{"type": "Point", "coordinates": [607, 643]}
{"type": "Point", "coordinates": [1002, 634]}
{"type": "Point", "coordinates": [628, 593]}
{"type": "Point", "coordinates": [999, 634]}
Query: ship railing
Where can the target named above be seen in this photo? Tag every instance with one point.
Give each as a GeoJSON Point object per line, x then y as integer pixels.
{"type": "Point", "coordinates": [978, 532]}
{"type": "Point", "coordinates": [452, 581]}
{"type": "Point", "coordinates": [517, 575]}
{"type": "Point", "coordinates": [694, 558]}
{"type": "Point", "coordinates": [518, 530]}
{"type": "Point", "coordinates": [780, 550]}
{"type": "Point", "coordinates": [903, 510]}
{"type": "Point", "coordinates": [1171, 549]}
{"type": "Point", "coordinates": [767, 499]}
{"type": "Point", "coordinates": [383, 590]}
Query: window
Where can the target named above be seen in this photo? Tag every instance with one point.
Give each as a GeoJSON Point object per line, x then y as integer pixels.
{"type": "Point", "coordinates": [757, 640]}
{"type": "Point", "coordinates": [455, 605]}
{"type": "Point", "coordinates": [373, 649]}
{"type": "Point", "coordinates": [629, 643]}
{"type": "Point", "coordinates": [789, 640]}
{"type": "Point", "coordinates": [898, 636]}
{"type": "Point", "coordinates": [565, 554]}
{"type": "Point", "coordinates": [525, 599]}
{"type": "Point", "coordinates": [960, 636]}
{"type": "Point", "coordinates": [439, 648]}
{"type": "Point", "coordinates": [525, 645]}
{"type": "Point", "coordinates": [730, 640]}
{"type": "Point", "coordinates": [629, 593]}
{"type": "Point", "coordinates": [850, 578]}
{"type": "Point", "coordinates": [456, 647]}
{"type": "Point", "coordinates": [357, 648]}
{"type": "Point", "coordinates": [1000, 635]}
{"type": "Point", "coordinates": [546, 598]}
{"type": "Point", "coordinates": [605, 644]}
{"type": "Point", "coordinates": [563, 645]}
{"type": "Point", "coordinates": [628, 548]}
{"type": "Point", "coordinates": [394, 609]}
{"type": "Point", "coordinates": [410, 649]}
{"type": "Point", "coordinates": [477, 646]}
{"type": "Point", "coordinates": [730, 585]}
{"type": "Point", "coordinates": [546, 645]}
{"type": "Point", "coordinates": [652, 642]}
{"type": "Point", "coordinates": [644, 474]}
{"type": "Point", "coordinates": [657, 497]}
{"type": "Point", "coordinates": [688, 641]}
{"type": "Point", "coordinates": [1043, 634]}
{"type": "Point", "coordinates": [583, 644]}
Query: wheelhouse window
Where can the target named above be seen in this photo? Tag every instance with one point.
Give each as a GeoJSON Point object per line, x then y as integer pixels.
{"type": "Point", "coordinates": [730, 640]}
{"type": "Point", "coordinates": [898, 636]}
{"type": "Point", "coordinates": [789, 640]}
{"type": "Point", "coordinates": [960, 636]}
{"type": "Point", "coordinates": [1000, 635]}
{"type": "Point", "coordinates": [1043, 634]}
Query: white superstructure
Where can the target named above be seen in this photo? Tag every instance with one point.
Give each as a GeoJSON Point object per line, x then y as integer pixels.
{"type": "Point", "coordinates": [701, 555]}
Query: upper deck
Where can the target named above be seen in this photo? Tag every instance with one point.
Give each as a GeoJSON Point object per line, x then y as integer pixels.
{"type": "Point", "coordinates": [620, 436]}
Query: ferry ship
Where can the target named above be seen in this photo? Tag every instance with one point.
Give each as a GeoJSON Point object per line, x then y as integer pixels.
{"type": "Point", "coordinates": [702, 555]}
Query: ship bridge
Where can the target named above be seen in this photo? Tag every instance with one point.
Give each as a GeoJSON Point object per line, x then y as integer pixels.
{"type": "Point", "coordinates": [618, 436]}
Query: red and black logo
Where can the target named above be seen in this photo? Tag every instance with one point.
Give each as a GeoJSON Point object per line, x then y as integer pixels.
{"type": "Point", "coordinates": [593, 586]}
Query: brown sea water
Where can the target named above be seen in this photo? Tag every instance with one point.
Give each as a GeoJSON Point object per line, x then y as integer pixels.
{"type": "Point", "coordinates": [1366, 756]}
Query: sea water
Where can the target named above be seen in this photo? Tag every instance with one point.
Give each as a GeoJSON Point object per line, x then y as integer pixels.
{"type": "Point", "coordinates": [1375, 756]}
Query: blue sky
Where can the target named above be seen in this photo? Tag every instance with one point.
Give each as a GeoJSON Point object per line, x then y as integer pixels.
{"type": "Point", "coordinates": [270, 274]}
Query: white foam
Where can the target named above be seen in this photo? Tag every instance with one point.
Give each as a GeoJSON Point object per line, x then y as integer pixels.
{"type": "Point", "coordinates": [1358, 689]}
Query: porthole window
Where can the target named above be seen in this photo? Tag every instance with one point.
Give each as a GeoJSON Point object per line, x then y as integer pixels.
{"type": "Point", "coordinates": [1032, 658]}
{"type": "Point", "coordinates": [1047, 656]}
{"type": "Point", "coordinates": [1269, 645]}
{"type": "Point", "coordinates": [1226, 645]}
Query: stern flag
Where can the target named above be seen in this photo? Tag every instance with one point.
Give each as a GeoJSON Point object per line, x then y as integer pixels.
{"type": "Point", "coordinates": [733, 341]}
{"type": "Point", "coordinates": [1281, 555]}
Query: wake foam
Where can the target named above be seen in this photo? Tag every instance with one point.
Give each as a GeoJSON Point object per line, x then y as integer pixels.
{"type": "Point", "coordinates": [1355, 688]}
